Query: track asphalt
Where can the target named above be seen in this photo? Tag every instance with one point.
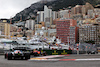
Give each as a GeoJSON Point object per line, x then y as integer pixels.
{"type": "Point", "coordinates": [67, 58]}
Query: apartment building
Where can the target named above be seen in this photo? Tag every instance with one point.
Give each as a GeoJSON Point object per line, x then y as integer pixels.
{"type": "Point", "coordinates": [89, 32]}
{"type": "Point", "coordinates": [46, 16]}
{"type": "Point", "coordinates": [67, 30]}
{"type": "Point", "coordinates": [30, 24]}
{"type": "Point", "coordinates": [4, 29]}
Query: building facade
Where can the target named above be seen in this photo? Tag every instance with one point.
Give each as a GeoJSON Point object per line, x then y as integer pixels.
{"type": "Point", "coordinates": [64, 14]}
{"type": "Point", "coordinates": [86, 7]}
{"type": "Point", "coordinates": [30, 24]}
{"type": "Point", "coordinates": [46, 16]}
{"type": "Point", "coordinates": [5, 30]}
{"type": "Point", "coordinates": [77, 9]}
{"type": "Point", "coordinates": [67, 30]}
{"type": "Point", "coordinates": [89, 32]}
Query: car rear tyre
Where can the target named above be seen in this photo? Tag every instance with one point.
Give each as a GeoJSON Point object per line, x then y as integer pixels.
{"type": "Point", "coordinates": [27, 56]}
{"type": "Point", "coordinates": [9, 57]}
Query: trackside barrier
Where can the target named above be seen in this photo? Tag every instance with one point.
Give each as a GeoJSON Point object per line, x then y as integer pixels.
{"type": "Point", "coordinates": [80, 52]}
{"type": "Point", "coordinates": [1, 51]}
{"type": "Point", "coordinates": [57, 52]}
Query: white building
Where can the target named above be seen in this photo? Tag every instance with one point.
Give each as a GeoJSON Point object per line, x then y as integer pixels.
{"type": "Point", "coordinates": [46, 16]}
{"type": "Point", "coordinates": [97, 11]}
{"type": "Point", "coordinates": [91, 14]}
{"type": "Point", "coordinates": [64, 13]}
{"type": "Point", "coordinates": [30, 24]}
{"type": "Point", "coordinates": [40, 17]}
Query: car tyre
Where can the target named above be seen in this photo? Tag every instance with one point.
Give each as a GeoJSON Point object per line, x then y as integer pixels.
{"type": "Point", "coordinates": [5, 56]}
{"type": "Point", "coordinates": [9, 58]}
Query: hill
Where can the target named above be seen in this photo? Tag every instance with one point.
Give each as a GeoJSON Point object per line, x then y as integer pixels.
{"type": "Point", "coordinates": [30, 12]}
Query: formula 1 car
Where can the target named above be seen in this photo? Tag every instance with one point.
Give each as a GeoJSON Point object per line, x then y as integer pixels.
{"type": "Point", "coordinates": [17, 54]}
{"type": "Point", "coordinates": [38, 53]}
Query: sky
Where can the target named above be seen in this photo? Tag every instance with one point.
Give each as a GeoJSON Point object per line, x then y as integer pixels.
{"type": "Point", "coordinates": [9, 8]}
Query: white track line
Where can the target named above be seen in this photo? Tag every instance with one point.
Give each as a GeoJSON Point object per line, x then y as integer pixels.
{"type": "Point", "coordinates": [51, 56]}
{"type": "Point", "coordinates": [91, 59]}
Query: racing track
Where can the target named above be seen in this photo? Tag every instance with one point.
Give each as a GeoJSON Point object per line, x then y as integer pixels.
{"type": "Point", "coordinates": [26, 63]}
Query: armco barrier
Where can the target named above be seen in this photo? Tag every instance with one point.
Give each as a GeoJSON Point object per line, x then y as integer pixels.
{"type": "Point", "coordinates": [80, 52]}
{"type": "Point", "coordinates": [1, 51]}
{"type": "Point", "coordinates": [57, 52]}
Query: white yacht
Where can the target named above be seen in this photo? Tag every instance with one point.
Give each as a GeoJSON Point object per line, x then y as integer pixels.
{"type": "Point", "coordinates": [6, 44]}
